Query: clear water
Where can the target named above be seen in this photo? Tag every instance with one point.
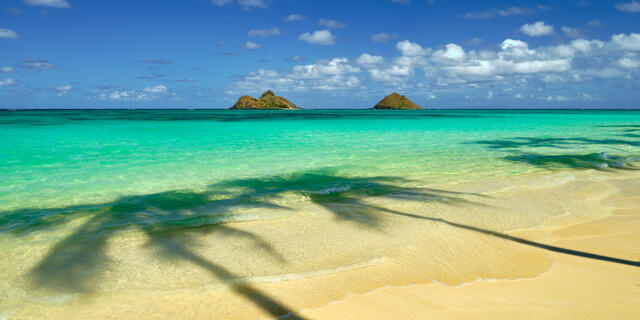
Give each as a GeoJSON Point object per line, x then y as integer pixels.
{"type": "Point", "coordinates": [54, 159]}
{"type": "Point", "coordinates": [75, 182]}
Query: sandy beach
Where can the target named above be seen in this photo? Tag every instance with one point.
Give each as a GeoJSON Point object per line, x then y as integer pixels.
{"type": "Point", "coordinates": [580, 261]}
{"type": "Point", "coordinates": [574, 288]}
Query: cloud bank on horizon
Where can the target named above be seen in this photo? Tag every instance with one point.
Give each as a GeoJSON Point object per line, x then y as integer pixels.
{"type": "Point", "coordinates": [320, 54]}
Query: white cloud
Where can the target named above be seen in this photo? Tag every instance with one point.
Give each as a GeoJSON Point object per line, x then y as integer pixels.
{"type": "Point", "coordinates": [245, 4]}
{"type": "Point", "coordinates": [9, 34]}
{"type": "Point", "coordinates": [37, 64]}
{"type": "Point", "coordinates": [628, 63]}
{"type": "Point", "coordinates": [49, 3]}
{"type": "Point", "coordinates": [146, 94]}
{"type": "Point", "coordinates": [513, 64]}
{"type": "Point", "coordinates": [452, 54]}
{"type": "Point", "coordinates": [411, 49]}
{"type": "Point", "coordinates": [336, 66]}
{"type": "Point", "coordinates": [221, 2]}
{"type": "Point", "coordinates": [323, 37]}
{"type": "Point", "coordinates": [334, 75]}
{"type": "Point", "coordinates": [250, 45]}
{"type": "Point", "coordinates": [273, 31]}
{"type": "Point", "coordinates": [294, 17]}
{"type": "Point", "coordinates": [63, 90]}
{"type": "Point", "coordinates": [572, 32]}
{"type": "Point", "coordinates": [7, 82]}
{"type": "Point", "coordinates": [405, 2]}
{"type": "Point", "coordinates": [633, 6]}
{"type": "Point", "coordinates": [366, 59]}
{"type": "Point", "coordinates": [383, 37]}
{"type": "Point", "coordinates": [156, 89]}
{"type": "Point", "coordinates": [7, 70]}
{"type": "Point", "coordinates": [537, 29]}
{"type": "Point", "coordinates": [506, 12]}
{"type": "Point", "coordinates": [331, 24]}
{"type": "Point", "coordinates": [629, 42]}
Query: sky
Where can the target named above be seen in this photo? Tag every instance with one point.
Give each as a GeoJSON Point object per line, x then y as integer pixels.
{"type": "Point", "coordinates": [319, 54]}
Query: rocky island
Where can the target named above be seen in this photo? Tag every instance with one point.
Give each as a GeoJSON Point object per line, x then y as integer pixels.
{"type": "Point", "coordinates": [396, 101]}
{"type": "Point", "coordinates": [267, 101]}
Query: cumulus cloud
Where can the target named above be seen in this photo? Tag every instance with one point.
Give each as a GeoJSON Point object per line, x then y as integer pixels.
{"type": "Point", "coordinates": [411, 49]}
{"type": "Point", "coordinates": [322, 37]}
{"type": "Point", "coordinates": [7, 82]}
{"type": "Point", "coordinates": [331, 24]}
{"type": "Point", "coordinates": [383, 37]}
{"type": "Point", "coordinates": [334, 75]}
{"type": "Point", "coordinates": [9, 34]}
{"type": "Point", "coordinates": [366, 59]}
{"type": "Point", "coordinates": [453, 53]}
{"type": "Point", "coordinates": [537, 29]}
{"type": "Point", "coordinates": [633, 6]}
{"type": "Point", "coordinates": [37, 64]}
{"type": "Point", "coordinates": [273, 31]}
{"type": "Point", "coordinates": [629, 42]}
{"type": "Point", "coordinates": [513, 65]}
{"type": "Point", "coordinates": [294, 17]}
{"type": "Point", "coordinates": [628, 63]}
{"type": "Point", "coordinates": [49, 3]}
{"type": "Point", "coordinates": [7, 70]}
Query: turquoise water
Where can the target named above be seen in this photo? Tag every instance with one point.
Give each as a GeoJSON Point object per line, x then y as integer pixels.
{"type": "Point", "coordinates": [114, 204]}
{"type": "Point", "coordinates": [61, 158]}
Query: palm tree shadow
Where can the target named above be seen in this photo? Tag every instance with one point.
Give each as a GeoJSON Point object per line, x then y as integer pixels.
{"type": "Point", "coordinates": [552, 161]}
{"type": "Point", "coordinates": [172, 220]}
{"type": "Point", "coordinates": [519, 240]}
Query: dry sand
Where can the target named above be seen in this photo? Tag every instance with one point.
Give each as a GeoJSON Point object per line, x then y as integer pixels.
{"type": "Point", "coordinates": [575, 287]}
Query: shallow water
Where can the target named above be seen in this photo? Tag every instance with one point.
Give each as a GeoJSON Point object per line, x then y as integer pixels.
{"type": "Point", "coordinates": [149, 203]}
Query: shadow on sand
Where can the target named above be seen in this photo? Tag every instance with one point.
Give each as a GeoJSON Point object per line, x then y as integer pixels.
{"type": "Point", "coordinates": [172, 219]}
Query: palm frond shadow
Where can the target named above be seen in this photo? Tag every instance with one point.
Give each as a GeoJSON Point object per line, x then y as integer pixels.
{"type": "Point", "coordinates": [172, 220]}
{"type": "Point", "coordinates": [554, 160]}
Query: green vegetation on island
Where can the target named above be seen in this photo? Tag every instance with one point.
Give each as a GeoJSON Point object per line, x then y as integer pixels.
{"type": "Point", "coordinates": [396, 101]}
{"type": "Point", "coordinates": [267, 101]}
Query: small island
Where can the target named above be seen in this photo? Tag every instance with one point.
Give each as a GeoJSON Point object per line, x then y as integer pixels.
{"type": "Point", "coordinates": [267, 101]}
{"type": "Point", "coordinates": [396, 101]}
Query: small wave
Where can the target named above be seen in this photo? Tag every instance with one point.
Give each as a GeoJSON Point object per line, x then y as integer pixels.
{"type": "Point", "coordinates": [333, 190]}
{"type": "Point", "coordinates": [311, 274]}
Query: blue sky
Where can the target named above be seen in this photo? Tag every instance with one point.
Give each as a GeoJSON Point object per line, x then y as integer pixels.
{"type": "Point", "coordinates": [319, 54]}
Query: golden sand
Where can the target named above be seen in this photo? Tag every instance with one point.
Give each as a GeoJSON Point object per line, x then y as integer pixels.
{"type": "Point", "coordinates": [559, 245]}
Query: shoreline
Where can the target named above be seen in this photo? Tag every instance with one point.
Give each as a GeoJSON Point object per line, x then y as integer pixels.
{"type": "Point", "coordinates": [323, 294]}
